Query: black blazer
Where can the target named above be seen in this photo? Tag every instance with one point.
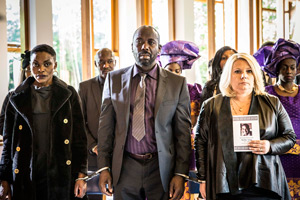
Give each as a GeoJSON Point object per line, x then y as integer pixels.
{"type": "Point", "coordinates": [90, 92]}
{"type": "Point", "coordinates": [226, 171]}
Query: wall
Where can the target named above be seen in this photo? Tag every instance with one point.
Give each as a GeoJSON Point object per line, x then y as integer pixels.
{"type": "Point", "coordinates": [3, 52]}
{"type": "Point", "coordinates": [40, 22]}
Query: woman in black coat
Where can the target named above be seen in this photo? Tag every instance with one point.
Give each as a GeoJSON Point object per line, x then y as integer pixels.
{"type": "Point", "coordinates": [257, 173]}
{"type": "Point", "coordinates": [44, 136]}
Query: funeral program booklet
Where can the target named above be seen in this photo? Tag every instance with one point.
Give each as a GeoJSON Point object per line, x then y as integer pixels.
{"type": "Point", "coordinates": [245, 129]}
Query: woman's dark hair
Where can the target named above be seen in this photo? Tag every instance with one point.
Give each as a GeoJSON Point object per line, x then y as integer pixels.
{"type": "Point", "coordinates": [216, 72]}
{"type": "Point", "coordinates": [216, 68]}
{"type": "Point", "coordinates": [268, 43]}
{"type": "Point", "coordinates": [44, 48]}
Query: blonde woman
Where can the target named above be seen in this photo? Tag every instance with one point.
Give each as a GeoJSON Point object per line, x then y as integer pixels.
{"type": "Point", "coordinates": [242, 175]}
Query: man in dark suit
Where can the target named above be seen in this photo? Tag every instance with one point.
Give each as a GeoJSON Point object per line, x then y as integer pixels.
{"type": "Point", "coordinates": [90, 92]}
{"type": "Point", "coordinates": [144, 150]}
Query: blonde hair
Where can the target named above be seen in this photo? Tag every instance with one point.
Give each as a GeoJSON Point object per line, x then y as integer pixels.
{"type": "Point", "coordinates": [225, 86]}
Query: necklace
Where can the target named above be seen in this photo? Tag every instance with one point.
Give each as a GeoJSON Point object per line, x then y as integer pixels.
{"type": "Point", "coordinates": [281, 88]}
{"type": "Point", "coordinates": [233, 109]}
{"type": "Point", "coordinates": [240, 108]}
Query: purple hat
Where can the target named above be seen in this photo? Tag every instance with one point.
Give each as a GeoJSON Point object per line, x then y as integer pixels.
{"type": "Point", "coordinates": [182, 52]}
{"type": "Point", "coordinates": [262, 54]}
{"type": "Point", "coordinates": [269, 59]}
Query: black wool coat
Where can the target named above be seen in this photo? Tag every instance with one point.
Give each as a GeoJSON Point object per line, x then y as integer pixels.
{"type": "Point", "coordinates": [67, 153]}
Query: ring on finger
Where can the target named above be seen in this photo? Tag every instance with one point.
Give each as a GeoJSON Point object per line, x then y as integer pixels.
{"type": "Point", "coordinates": [260, 149]}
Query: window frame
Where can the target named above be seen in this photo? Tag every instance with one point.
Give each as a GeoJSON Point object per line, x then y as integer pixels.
{"type": "Point", "coordinates": [24, 30]}
{"type": "Point", "coordinates": [259, 12]}
{"type": "Point", "coordinates": [144, 15]}
{"type": "Point", "coordinates": [211, 24]}
{"type": "Point", "coordinates": [88, 49]}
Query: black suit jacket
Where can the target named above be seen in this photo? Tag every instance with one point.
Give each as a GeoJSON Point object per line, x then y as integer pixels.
{"type": "Point", "coordinates": [90, 92]}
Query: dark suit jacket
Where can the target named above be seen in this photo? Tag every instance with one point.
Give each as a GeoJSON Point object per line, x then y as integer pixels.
{"type": "Point", "coordinates": [172, 123]}
{"type": "Point", "coordinates": [227, 171]}
{"type": "Point", "coordinates": [90, 92]}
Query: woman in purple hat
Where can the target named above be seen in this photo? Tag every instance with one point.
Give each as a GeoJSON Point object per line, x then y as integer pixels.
{"type": "Point", "coordinates": [282, 63]}
{"type": "Point", "coordinates": [175, 57]}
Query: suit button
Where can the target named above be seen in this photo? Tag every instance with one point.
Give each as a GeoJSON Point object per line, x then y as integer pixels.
{"type": "Point", "coordinates": [68, 162]}
{"type": "Point", "coordinates": [20, 127]}
{"type": "Point", "coordinates": [65, 121]}
{"type": "Point", "coordinates": [67, 141]}
{"type": "Point", "coordinates": [18, 148]}
{"type": "Point", "coordinates": [16, 171]}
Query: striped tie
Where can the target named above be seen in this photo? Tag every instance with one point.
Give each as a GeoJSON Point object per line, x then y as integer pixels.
{"type": "Point", "coordinates": [138, 118]}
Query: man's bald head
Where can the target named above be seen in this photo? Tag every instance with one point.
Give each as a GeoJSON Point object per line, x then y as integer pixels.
{"type": "Point", "coordinates": [105, 61]}
{"type": "Point", "coordinates": [146, 27]}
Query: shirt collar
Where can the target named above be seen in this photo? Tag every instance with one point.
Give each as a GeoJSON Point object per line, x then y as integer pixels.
{"type": "Point", "coordinates": [152, 73]}
{"type": "Point", "coordinates": [101, 80]}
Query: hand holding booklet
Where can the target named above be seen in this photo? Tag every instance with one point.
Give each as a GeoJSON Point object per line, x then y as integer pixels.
{"type": "Point", "coordinates": [245, 129]}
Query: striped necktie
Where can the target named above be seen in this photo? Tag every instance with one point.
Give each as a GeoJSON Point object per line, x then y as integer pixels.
{"type": "Point", "coordinates": [138, 118]}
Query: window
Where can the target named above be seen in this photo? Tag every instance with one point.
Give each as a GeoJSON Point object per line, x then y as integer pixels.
{"type": "Point", "coordinates": [102, 23]}
{"type": "Point", "coordinates": [290, 19]}
{"type": "Point", "coordinates": [213, 31]}
{"type": "Point", "coordinates": [225, 23]}
{"type": "Point", "coordinates": [67, 40]}
{"type": "Point", "coordinates": [160, 15]}
{"type": "Point", "coordinates": [13, 41]}
{"type": "Point", "coordinates": [201, 39]}
{"type": "Point", "coordinates": [160, 19]}
{"type": "Point", "coordinates": [105, 34]}
{"type": "Point", "coordinates": [100, 28]}
{"type": "Point", "coordinates": [269, 21]}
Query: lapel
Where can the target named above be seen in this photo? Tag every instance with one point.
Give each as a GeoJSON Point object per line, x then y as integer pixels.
{"type": "Point", "coordinates": [225, 134]}
{"type": "Point", "coordinates": [161, 89]}
{"type": "Point", "coordinates": [253, 110]}
{"type": "Point", "coordinates": [60, 95]}
{"type": "Point", "coordinates": [97, 92]}
{"type": "Point", "coordinates": [125, 92]}
{"type": "Point", "coordinates": [226, 138]}
{"type": "Point", "coordinates": [21, 101]}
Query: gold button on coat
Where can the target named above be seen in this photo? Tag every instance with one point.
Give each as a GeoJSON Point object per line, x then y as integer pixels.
{"type": "Point", "coordinates": [20, 127]}
{"type": "Point", "coordinates": [16, 171]}
{"type": "Point", "coordinates": [68, 162]}
{"type": "Point", "coordinates": [18, 148]}
{"type": "Point", "coordinates": [67, 141]}
{"type": "Point", "coordinates": [65, 121]}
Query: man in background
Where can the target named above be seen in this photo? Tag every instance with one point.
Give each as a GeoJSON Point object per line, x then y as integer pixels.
{"type": "Point", "coordinates": [90, 92]}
